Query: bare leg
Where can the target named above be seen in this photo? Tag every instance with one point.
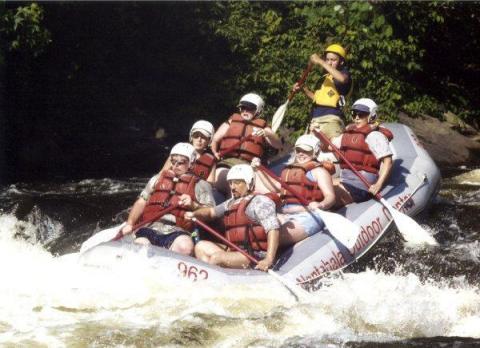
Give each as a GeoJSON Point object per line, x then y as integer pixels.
{"type": "Point", "coordinates": [142, 240]}
{"type": "Point", "coordinates": [342, 195]}
{"type": "Point", "coordinates": [291, 231]}
{"type": "Point", "coordinates": [230, 259]}
{"type": "Point", "coordinates": [183, 245]}
{"type": "Point", "coordinates": [205, 249]}
{"type": "Point", "coordinates": [214, 255]}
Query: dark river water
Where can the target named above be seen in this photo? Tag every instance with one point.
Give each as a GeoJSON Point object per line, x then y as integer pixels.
{"type": "Point", "coordinates": [394, 297]}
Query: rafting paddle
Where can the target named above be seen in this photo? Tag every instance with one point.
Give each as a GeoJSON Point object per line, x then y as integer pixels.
{"type": "Point", "coordinates": [342, 229]}
{"type": "Point", "coordinates": [411, 231]}
{"type": "Point", "coordinates": [115, 233]}
{"type": "Point", "coordinates": [297, 291]}
{"type": "Point", "coordinates": [282, 109]}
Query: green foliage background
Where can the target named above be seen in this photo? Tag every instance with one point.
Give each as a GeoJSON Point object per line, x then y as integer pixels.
{"type": "Point", "coordinates": [23, 27]}
{"type": "Point", "coordinates": [387, 44]}
{"type": "Point", "coordinates": [103, 77]}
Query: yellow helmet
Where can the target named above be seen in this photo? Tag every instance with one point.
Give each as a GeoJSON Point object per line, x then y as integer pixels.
{"type": "Point", "coordinates": [336, 48]}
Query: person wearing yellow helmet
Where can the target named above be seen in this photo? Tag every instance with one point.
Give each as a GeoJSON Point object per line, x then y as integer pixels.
{"type": "Point", "coordinates": [329, 98]}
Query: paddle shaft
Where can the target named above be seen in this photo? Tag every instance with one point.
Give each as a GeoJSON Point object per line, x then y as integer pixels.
{"type": "Point", "coordinates": [287, 187]}
{"type": "Point", "coordinates": [300, 292]}
{"type": "Point", "coordinates": [301, 81]}
{"type": "Point", "coordinates": [284, 184]}
{"type": "Point", "coordinates": [225, 240]}
{"type": "Point", "coordinates": [144, 222]}
{"type": "Point", "coordinates": [348, 233]}
{"type": "Point", "coordinates": [347, 162]}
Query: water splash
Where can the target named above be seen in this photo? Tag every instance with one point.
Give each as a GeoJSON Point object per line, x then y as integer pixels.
{"type": "Point", "coordinates": [59, 301]}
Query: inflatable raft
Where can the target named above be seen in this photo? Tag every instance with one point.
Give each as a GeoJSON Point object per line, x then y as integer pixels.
{"type": "Point", "coordinates": [413, 182]}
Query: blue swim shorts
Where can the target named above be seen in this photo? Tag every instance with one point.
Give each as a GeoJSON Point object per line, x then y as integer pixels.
{"type": "Point", "coordinates": [310, 221]}
{"type": "Point", "coordinates": [161, 240]}
{"type": "Point", "coordinates": [358, 195]}
{"type": "Point", "coordinates": [355, 186]}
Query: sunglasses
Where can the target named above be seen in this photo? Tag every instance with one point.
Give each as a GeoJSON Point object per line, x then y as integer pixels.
{"type": "Point", "coordinates": [178, 163]}
{"type": "Point", "coordinates": [300, 150]}
{"type": "Point", "coordinates": [199, 135]}
{"type": "Point", "coordinates": [360, 114]}
{"type": "Point", "coordinates": [246, 108]}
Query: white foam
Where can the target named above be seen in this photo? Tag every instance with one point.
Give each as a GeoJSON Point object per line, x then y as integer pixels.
{"type": "Point", "coordinates": [46, 299]}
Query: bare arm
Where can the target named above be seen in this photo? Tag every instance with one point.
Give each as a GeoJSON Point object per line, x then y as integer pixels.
{"type": "Point", "coordinates": [207, 213]}
{"type": "Point", "coordinates": [305, 89]}
{"type": "Point", "coordinates": [273, 138]}
{"type": "Point", "coordinates": [273, 238]}
{"type": "Point", "coordinates": [308, 93]}
{"type": "Point", "coordinates": [211, 176]}
{"type": "Point", "coordinates": [337, 75]}
{"type": "Point", "coordinates": [263, 182]}
{"type": "Point", "coordinates": [167, 165]}
{"type": "Point", "coordinates": [324, 181]}
{"type": "Point", "coordinates": [269, 184]}
{"type": "Point", "coordinates": [134, 215]}
{"type": "Point", "coordinates": [386, 165]}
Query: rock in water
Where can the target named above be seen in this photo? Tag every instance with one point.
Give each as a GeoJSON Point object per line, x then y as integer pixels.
{"type": "Point", "coordinates": [470, 178]}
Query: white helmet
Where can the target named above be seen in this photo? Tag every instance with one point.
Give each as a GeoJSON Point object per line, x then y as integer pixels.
{"type": "Point", "coordinates": [308, 142]}
{"type": "Point", "coordinates": [242, 172]}
{"type": "Point", "coordinates": [254, 101]}
{"type": "Point", "coordinates": [204, 127]}
{"type": "Point", "coordinates": [366, 105]}
{"type": "Point", "coordinates": [184, 149]}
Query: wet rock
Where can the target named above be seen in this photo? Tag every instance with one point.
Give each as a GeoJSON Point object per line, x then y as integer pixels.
{"type": "Point", "coordinates": [458, 124]}
{"type": "Point", "coordinates": [446, 145]}
{"type": "Point", "coordinates": [476, 138]}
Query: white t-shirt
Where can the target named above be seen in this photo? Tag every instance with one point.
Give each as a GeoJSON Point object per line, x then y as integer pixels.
{"type": "Point", "coordinates": [377, 143]}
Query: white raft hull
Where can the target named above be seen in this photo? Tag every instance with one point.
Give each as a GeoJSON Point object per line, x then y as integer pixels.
{"type": "Point", "coordinates": [320, 254]}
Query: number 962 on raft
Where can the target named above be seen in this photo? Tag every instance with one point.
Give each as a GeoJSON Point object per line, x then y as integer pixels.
{"type": "Point", "coordinates": [191, 272]}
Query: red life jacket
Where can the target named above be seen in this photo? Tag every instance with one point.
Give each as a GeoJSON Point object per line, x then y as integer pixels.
{"type": "Point", "coordinates": [238, 129]}
{"type": "Point", "coordinates": [167, 191]}
{"type": "Point", "coordinates": [295, 176]}
{"type": "Point", "coordinates": [240, 230]}
{"type": "Point", "coordinates": [203, 165]}
{"type": "Point", "coordinates": [356, 150]}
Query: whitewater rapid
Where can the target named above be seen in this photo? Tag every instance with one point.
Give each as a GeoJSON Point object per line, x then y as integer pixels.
{"type": "Point", "coordinates": [58, 301]}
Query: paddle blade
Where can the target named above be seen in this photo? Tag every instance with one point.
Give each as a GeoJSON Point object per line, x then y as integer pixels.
{"type": "Point", "coordinates": [342, 229]}
{"type": "Point", "coordinates": [411, 231]}
{"type": "Point", "coordinates": [100, 238]}
{"type": "Point", "coordinates": [297, 291]}
{"type": "Point", "coordinates": [278, 116]}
